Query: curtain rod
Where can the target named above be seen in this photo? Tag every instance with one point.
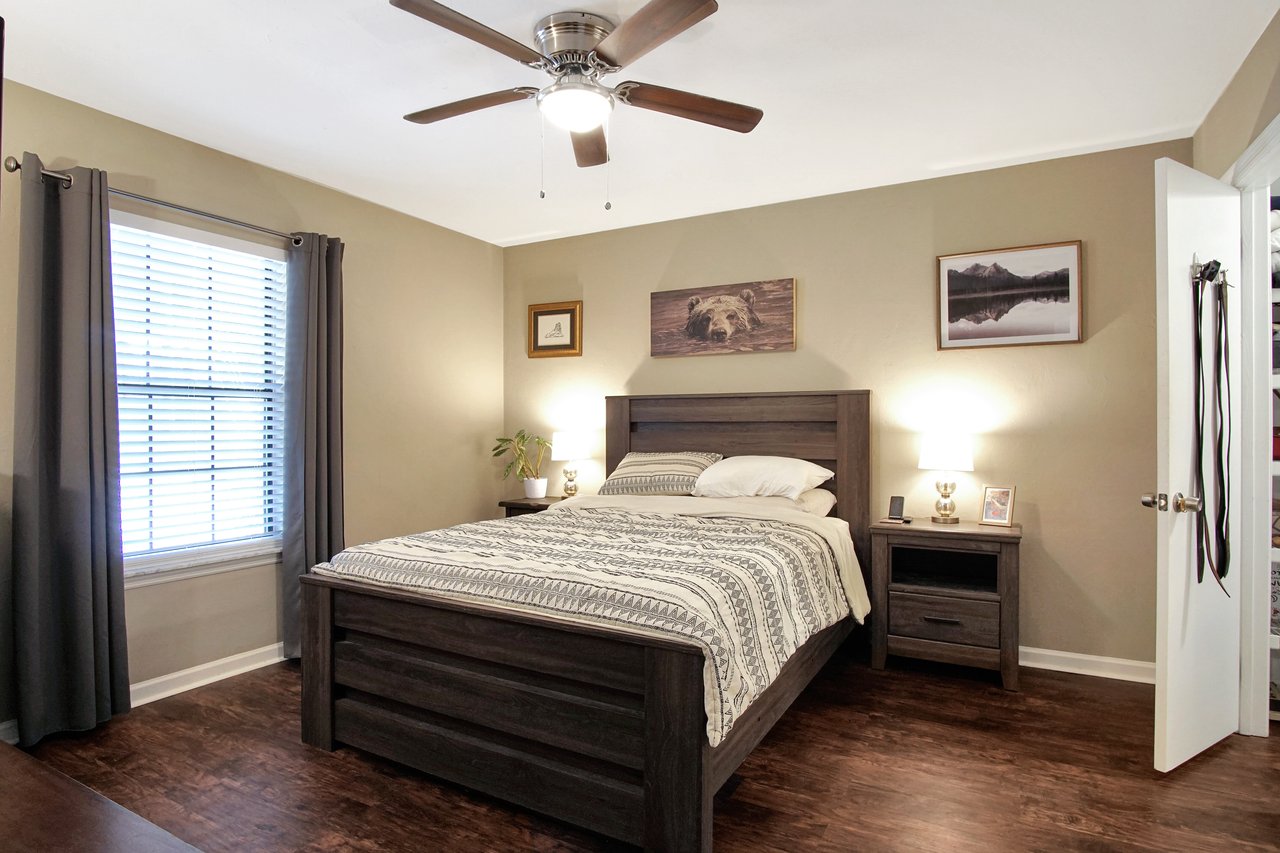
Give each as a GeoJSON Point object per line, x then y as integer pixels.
{"type": "Point", "coordinates": [11, 164]}
{"type": "Point", "coordinates": [297, 241]}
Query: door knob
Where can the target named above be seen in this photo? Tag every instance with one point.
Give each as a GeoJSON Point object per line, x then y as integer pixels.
{"type": "Point", "coordinates": [1182, 503]}
{"type": "Point", "coordinates": [1156, 500]}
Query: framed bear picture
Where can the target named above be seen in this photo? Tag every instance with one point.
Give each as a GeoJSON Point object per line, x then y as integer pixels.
{"type": "Point", "coordinates": [755, 316]}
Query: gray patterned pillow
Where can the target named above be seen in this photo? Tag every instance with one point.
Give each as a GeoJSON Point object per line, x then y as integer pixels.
{"type": "Point", "coordinates": [658, 473]}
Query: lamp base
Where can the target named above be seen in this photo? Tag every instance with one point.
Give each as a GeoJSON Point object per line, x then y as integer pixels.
{"type": "Point", "coordinates": [945, 506]}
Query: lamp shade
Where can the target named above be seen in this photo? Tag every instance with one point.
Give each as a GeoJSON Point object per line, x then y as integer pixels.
{"type": "Point", "coordinates": [570, 445]}
{"type": "Point", "coordinates": [941, 451]}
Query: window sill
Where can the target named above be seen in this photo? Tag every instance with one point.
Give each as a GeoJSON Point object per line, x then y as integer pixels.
{"type": "Point", "coordinates": [152, 569]}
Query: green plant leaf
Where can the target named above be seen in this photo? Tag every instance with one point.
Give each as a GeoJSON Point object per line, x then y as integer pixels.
{"type": "Point", "coordinates": [518, 446]}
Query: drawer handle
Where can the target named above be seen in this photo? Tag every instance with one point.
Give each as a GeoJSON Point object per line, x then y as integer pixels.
{"type": "Point", "coordinates": [942, 620]}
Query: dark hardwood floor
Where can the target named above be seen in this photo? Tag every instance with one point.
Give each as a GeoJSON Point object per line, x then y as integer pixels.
{"type": "Point", "coordinates": [917, 757]}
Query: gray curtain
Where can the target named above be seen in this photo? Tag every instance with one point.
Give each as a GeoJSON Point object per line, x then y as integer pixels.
{"type": "Point", "coordinates": [313, 419]}
{"type": "Point", "coordinates": [71, 660]}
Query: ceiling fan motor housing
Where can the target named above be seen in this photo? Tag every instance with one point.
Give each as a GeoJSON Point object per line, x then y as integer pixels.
{"type": "Point", "coordinates": [567, 39]}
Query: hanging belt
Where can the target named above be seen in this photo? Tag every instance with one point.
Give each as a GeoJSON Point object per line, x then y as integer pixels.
{"type": "Point", "coordinates": [1213, 547]}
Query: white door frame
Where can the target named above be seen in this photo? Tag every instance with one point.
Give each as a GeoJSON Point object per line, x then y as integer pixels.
{"type": "Point", "coordinates": [1253, 174]}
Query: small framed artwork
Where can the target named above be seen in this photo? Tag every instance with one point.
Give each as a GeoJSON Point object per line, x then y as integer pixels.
{"type": "Point", "coordinates": [555, 329]}
{"type": "Point", "coordinates": [756, 316]}
{"type": "Point", "coordinates": [1011, 297]}
{"type": "Point", "coordinates": [997, 505]}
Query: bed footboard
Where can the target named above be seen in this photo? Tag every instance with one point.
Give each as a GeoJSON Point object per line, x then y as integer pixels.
{"type": "Point", "coordinates": [600, 728]}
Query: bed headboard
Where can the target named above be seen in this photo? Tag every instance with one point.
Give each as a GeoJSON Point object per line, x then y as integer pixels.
{"type": "Point", "coordinates": [831, 428]}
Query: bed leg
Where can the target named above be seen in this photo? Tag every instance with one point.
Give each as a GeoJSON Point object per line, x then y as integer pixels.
{"type": "Point", "coordinates": [317, 666]}
{"type": "Point", "coordinates": [677, 809]}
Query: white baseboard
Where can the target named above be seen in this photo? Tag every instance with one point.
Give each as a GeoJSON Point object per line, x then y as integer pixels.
{"type": "Point", "coordinates": [206, 673]}
{"type": "Point", "coordinates": [179, 682]}
{"type": "Point", "coordinates": [1095, 665]}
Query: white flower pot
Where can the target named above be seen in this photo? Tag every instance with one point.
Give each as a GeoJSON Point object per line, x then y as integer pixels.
{"type": "Point", "coordinates": [535, 488]}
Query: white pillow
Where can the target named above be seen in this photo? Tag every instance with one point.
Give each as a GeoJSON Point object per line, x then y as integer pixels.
{"type": "Point", "coordinates": [762, 502]}
{"type": "Point", "coordinates": [816, 501]}
{"type": "Point", "coordinates": [760, 475]}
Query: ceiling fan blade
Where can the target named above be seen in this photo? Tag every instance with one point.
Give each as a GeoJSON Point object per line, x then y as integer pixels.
{"type": "Point", "coordinates": [657, 22]}
{"type": "Point", "coordinates": [470, 105]}
{"type": "Point", "coordinates": [443, 16]}
{"type": "Point", "coordinates": [590, 148]}
{"type": "Point", "coordinates": [674, 102]}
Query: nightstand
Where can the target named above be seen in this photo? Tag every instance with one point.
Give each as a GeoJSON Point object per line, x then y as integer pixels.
{"type": "Point", "coordinates": [524, 506]}
{"type": "Point", "coordinates": [946, 593]}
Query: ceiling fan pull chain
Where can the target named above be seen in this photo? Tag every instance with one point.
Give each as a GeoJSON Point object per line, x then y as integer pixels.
{"type": "Point", "coordinates": [608, 169]}
{"type": "Point", "coordinates": [542, 163]}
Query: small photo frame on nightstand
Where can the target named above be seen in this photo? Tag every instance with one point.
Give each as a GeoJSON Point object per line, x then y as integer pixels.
{"type": "Point", "coordinates": [997, 506]}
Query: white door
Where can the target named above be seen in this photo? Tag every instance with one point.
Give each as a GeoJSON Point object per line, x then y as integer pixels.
{"type": "Point", "coordinates": [1197, 626]}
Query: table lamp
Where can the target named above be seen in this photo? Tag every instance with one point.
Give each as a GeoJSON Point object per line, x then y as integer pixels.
{"type": "Point", "coordinates": [946, 453]}
{"type": "Point", "coordinates": [570, 446]}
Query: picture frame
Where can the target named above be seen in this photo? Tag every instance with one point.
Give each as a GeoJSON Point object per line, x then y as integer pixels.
{"type": "Point", "coordinates": [754, 316]}
{"type": "Point", "coordinates": [555, 329]}
{"type": "Point", "coordinates": [1018, 296]}
{"type": "Point", "coordinates": [997, 506]}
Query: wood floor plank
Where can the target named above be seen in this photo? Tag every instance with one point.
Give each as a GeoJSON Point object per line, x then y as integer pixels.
{"type": "Point", "coordinates": [41, 809]}
{"type": "Point", "coordinates": [916, 757]}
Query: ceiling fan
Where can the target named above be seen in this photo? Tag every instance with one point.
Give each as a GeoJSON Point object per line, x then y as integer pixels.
{"type": "Point", "coordinates": [577, 49]}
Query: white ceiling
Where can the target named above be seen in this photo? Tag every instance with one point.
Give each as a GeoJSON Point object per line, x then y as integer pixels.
{"type": "Point", "coordinates": [855, 93]}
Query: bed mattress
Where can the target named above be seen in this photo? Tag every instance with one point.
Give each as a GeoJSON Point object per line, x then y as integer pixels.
{"type": "Point", "coordinates": [747, 580]}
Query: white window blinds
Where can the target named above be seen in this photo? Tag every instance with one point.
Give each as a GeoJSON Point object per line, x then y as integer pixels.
{"type": "Point", "coordinates": [200, 350]}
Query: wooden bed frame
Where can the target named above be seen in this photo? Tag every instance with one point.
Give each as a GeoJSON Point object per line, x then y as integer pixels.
{"type": "Point", "coordinates": [597, 726]}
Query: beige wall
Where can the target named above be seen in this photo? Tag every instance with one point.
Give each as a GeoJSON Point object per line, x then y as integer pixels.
{"type": "Point", "coordinates": [173, 626]}
{"type": "Point", "coordinates": [423, 367]}
{"type": "Point", "coordinates": [1070, 426]}
{"type": "Point", "coordinates": [1250, 102]}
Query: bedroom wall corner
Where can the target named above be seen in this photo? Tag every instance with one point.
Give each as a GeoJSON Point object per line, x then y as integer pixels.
{"type": "Point", "coordinates": [1068, 424]}
{"type": "Point", "coordinates": [1250, 102]}
{"type": "Point", "coordinates": [423, 363]}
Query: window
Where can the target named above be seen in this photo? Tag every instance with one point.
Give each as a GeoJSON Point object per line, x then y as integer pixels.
{"type": "Point", "coordinates": [200, 357]}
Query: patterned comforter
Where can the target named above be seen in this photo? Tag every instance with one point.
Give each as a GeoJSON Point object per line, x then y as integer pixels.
{"type": "Point", "coordinates": [749, 586]}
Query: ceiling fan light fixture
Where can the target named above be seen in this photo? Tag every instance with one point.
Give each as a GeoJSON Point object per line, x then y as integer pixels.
{"type": "Point", "coordinates": [575, 105]}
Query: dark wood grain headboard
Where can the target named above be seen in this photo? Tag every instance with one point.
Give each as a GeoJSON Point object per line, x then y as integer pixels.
{"type": "Point", "coordinates": [830, 428]}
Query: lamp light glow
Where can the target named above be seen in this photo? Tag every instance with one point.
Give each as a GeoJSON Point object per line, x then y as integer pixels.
{"type": "Point", "coordinates": [941, 451]}
{"type": "Point", "coordinates": [575, 104]}
{"type": "Point", "coordinates": [570, 445]}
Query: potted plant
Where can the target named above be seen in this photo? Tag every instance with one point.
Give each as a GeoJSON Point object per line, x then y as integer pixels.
{"type": "Point", "coordinates": [528, 469]}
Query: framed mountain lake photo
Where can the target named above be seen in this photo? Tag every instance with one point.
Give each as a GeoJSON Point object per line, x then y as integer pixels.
{"type": "Point", "coordinates": [1011, 297]}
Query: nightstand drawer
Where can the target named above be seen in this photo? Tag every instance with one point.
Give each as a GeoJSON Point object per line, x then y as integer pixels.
{"type": "Point", "coordinates": [947, 620]}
